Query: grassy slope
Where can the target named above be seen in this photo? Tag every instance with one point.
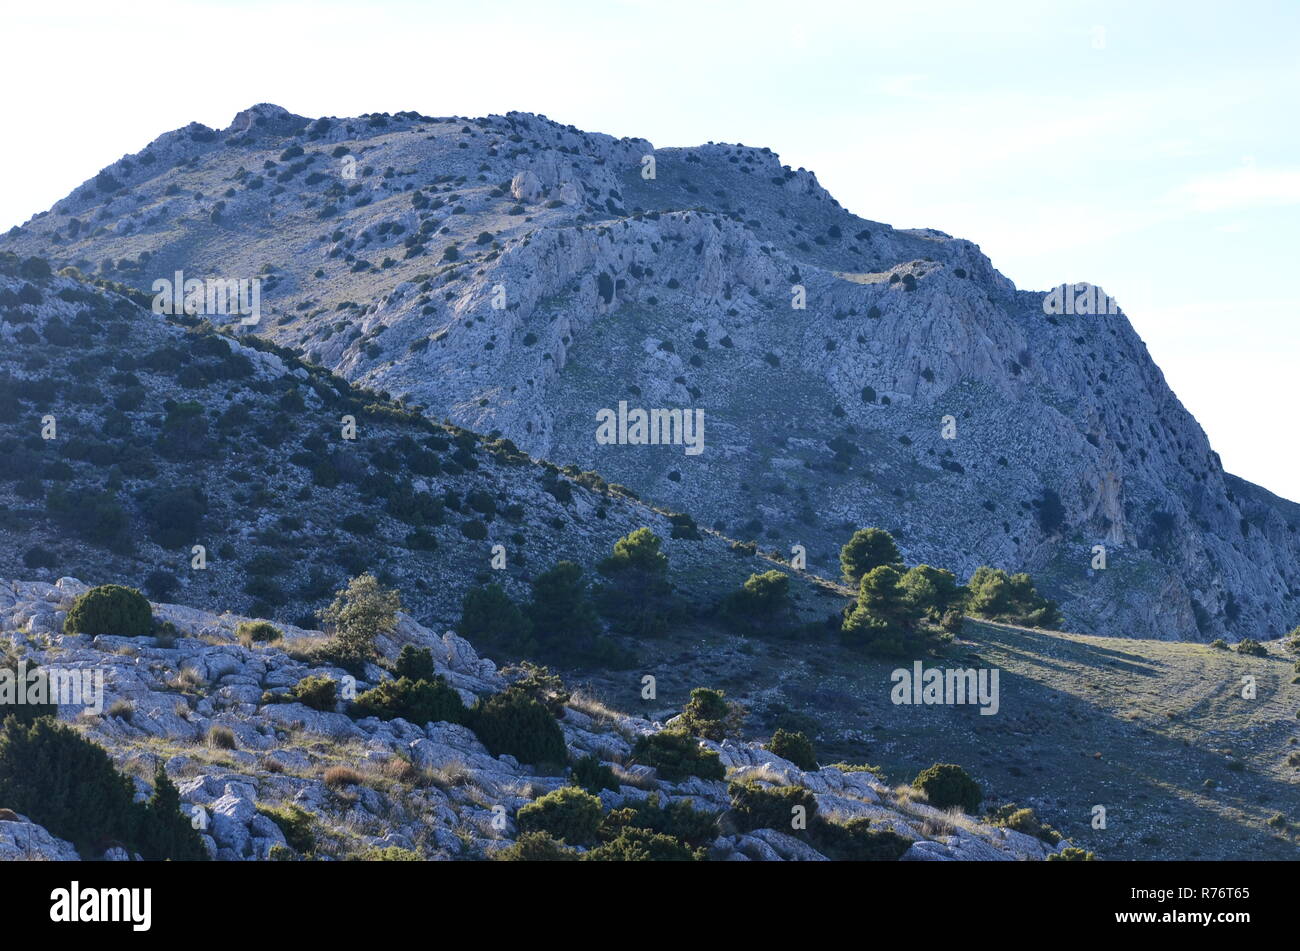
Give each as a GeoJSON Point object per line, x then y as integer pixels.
{"type": "Point", "coordinates": [1137, 726]}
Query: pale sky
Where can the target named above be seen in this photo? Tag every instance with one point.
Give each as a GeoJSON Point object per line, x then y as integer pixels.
{"type": "Point", "coordinates": [1148, 147]}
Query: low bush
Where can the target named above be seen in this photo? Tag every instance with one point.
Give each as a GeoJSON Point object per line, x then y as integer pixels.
{"type": "Point", "coordinates": [946, 785]}
{"type": "Point", "coordinates": [795, 747]}
{"type": "Point", "coordinates": [110, 609]}
{"type": "Point", "coordinates": [318, 692]}
{"type": "Point", "coordinates": [511, 722]}
{"type": "Point", "coordinates": [675, 754]}
{"type": "Point", "coordinates": [416, 701]}
{"type": "Point", "coordinates": [569, 814]}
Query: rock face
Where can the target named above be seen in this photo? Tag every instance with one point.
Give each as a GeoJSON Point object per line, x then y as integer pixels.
{"type": "Point", "coordinates": [519, 276]}
{"type": "Point", "coordinates": [282, 752]}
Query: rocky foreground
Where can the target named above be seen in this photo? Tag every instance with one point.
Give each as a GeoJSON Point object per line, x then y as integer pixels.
{"type": "Point", "coordinates": [370, 785]}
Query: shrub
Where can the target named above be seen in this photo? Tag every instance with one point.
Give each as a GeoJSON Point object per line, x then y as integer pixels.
{"type": "Point", "coordinates": [708, 714]}
{"type": "Point", "coordinates": [761, 605]}
{"type": "Point", "coordinates": [569, 813]}
{"type": "Point", "coordinates": [856, 841]}
{"type": "Point", "coordinates": [389, 853]}
{"type": "Point", "coordinates": [1219, 644]}
{"type": "Point", "coordinates": [1012, 816]}
{"type": "Point", "coordinates": [257, 632]}
{"type": "Point", "coordinates": [337, 777]}
{"type": "Point", "coordinates": [947, 785]}
{"type": "Point", "coordinates": [931, 591]}
{"type": "Point", "coordinates": [755, 807]}
{"type": "Point", "coordinates": [795, 747]}
{"type": "Point", "coordinates": [359, 614]}
{"type": "Point", "coordinates": [536, 847]}
{"type": "Point", "coordinates": [489, 619]}
{"type": "Point", "coordinates": [591, 774]}
{"type": "Point", "coordinates": [1251, 647]}
{"type": "Point", "coordinates": [564, 621]}
{"type": "Point", "coordinates": [318, 692]}
{"type": "Point", "coordinates": [679, 819]}
{"type": "Point", "coordinates": [296, 823]}
{"type": "Point", "coordinates": [167, 832]}
{"type": "Point", "coordinates": [513, 723]}
{"type": "Point", "coordinates": [38, 686]}
{"type": "Point", "coordinates": [110, 609]}
{"type": "Point", "coordinates": [414, 663]}
{"type": "Point", "coordinates": [1071, 854]}
{"type": "Point", "coordinates": [868, 548]}
{"type": "Point", "coordinates": [416, 701]}
{"type": "Point", "coordinates": [1001, 597]}
{"type": "Point", "coordinates": [675, 754]}
{"type": "Point", "coordinates": [642, 845]}
{"type": "Point", "coordinates": [67, 784]}
{"type": "Point", "coordinates": [221, 738]}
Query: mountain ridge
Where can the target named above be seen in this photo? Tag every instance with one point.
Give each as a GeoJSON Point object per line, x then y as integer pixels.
{"type": "Point", "coordinates": [676, 291]}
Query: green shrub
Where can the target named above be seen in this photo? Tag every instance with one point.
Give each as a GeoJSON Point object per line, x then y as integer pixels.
{"type": "Point", "coordinates": [258, 632]}
{"type": "Point", "coordinates": [709, 715]}
{"type": "Point", "coordinates": [416, 701]}
{"type": "Point", "coordinates": [947, 785]}
{"type": "Point", "coordinates": [296, 823]}
{"type": "Point", "coordinates": [67, 784]}
{"type": "Point", "coordinates": [1012, 816]}
{"type": "Point", "coordinates": [569, 814]}
{"type": "Point", "coordinates": [679, 819]}
{"type": "Point", "coordinates": [414, 663]}
{"type": "Point", "coordinates": [391, 853]}
{"type": "Point", "coordinates": [1071, 854]}
{"type": "Point", "coordinates": [995, 595]}
{"type": "Point", "coordinates": [643, 845]}
{"type": "Point", "coordinates": [931, 591]}
{"type": "Point", "coordinates": [1219, 644]}
{"type": "Point", "coordinates": [536, 847]}
{"type": "Point", "coordinates": [318, 692]}
{"type": "Point", "coordinates": [511, 722]}
{"type": "Point", "coordinates": [591, 774]}
{"type": "Point", "coordinates": [795, 747]}
{"type": "Point", "coordinates": [167, 832]}
{"type": "Point", "coordinates": [564, 620]}
{"type": "Point", "coordinates": [755, 807]}
{"type": "Point", "coordinates": [489, 619]}
{"type": "Point", "coordinates": [856, 841]}
{"type": "Point", "coordinates": [38, 686]}
{"type": "Point", "coordinates": [1251, 647]}
{"type": "Point", "coordinates": [110, 609]}
{"type": "Point", "coordinates": [761, 605]}
{"type": "Point", "coordinates": [675, 754]}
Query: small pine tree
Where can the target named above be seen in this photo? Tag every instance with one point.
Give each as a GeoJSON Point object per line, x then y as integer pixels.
{"type": "Point", "coordinates": [868, 548]}
{"type": "Point", "coordinates": [168, 833]}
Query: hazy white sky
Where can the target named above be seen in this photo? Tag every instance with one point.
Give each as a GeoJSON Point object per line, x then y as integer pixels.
{"type": "Point", "coordinates": [1148, 147]}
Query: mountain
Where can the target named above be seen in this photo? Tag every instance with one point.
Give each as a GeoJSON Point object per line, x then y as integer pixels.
{"type": "Point", "coordinates": [518, 277]}
{"type": "Point", "coordinates": [128, 438]}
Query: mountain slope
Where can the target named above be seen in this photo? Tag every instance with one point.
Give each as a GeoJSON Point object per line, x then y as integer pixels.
{"type": "Point", "coordinates": [518, 276]}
